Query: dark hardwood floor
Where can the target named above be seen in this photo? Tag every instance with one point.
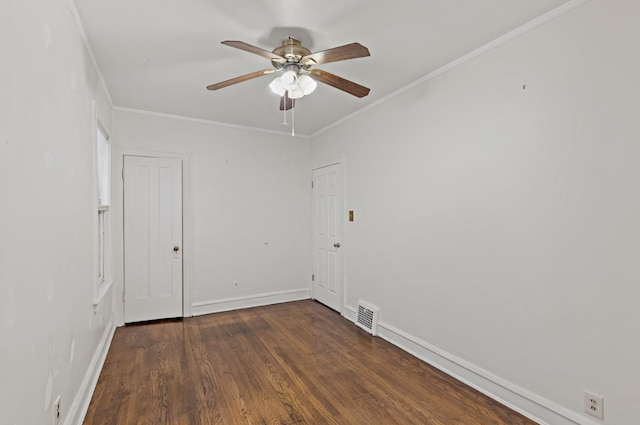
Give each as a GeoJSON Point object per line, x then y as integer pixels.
{"type": "Point", "coordinates": [294, 363]}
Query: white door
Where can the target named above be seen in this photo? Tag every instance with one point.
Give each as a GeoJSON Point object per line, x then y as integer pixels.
{"type": "Point", "coordinates": [152, 238]}
{"type": "Point", "coordinates": [327, 233]}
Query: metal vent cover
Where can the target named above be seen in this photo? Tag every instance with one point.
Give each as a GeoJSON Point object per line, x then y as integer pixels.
{"type": "Point", "coordinates": [367, 317]}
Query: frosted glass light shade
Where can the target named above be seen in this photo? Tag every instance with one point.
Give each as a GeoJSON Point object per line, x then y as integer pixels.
{"type": "Point", "coordinates": [277, 87]}
{"type": "Point", "coordinates": [288, 78]}
{"type": "Point", "coordinates": [307, 84]}
{"type": "Point", "coordinates": [296, 93]}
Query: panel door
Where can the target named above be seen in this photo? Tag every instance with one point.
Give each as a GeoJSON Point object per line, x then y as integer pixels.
{"type": "Point", "coordinates": [327, 233]}
{"type": "Point", "coordinates": [152, 238]}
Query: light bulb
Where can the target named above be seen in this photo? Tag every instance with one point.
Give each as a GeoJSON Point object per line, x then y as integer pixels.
{"type": "Point", "coordinates": [307, 84]}
{"type": "Point", "coordinates": [277, 87]}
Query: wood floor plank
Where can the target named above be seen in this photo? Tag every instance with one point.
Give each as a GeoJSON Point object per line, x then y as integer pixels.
{"type": "Point", "coordinates": [286, 364]}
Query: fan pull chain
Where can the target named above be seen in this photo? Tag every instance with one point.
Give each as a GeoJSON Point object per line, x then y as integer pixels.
{"type": "Point", "coordinates": [284, 110]}
{"type": "Point", "coordinates": [293, 118]}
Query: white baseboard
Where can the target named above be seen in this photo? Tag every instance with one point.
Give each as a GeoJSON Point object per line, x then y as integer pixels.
{"type": "Point", "coordinates": [80, 404]}
{"type": "Point", "coordinates": [533, 406]}
{"type": "Point", "coordinates": [236, 303]}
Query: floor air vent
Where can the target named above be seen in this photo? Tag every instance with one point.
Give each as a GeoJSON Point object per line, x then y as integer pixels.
{"type": "Point", "coordinates": [367, 317]}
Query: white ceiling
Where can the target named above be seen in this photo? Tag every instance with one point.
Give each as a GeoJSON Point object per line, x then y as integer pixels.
{"type": "Point", "coordinates": [159, 55]}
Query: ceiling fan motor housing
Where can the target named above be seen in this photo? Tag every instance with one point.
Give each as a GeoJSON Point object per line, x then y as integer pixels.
{"type": "Point", "coordinates": [292, 51]}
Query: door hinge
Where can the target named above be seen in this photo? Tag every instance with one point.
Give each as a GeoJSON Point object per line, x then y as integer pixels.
{"type": "Point", "coordinates": [123, 174]}
{"type": "Point", "coordinates": [313, 278]}
{"type": "Point", "coordinates": [311, 184]}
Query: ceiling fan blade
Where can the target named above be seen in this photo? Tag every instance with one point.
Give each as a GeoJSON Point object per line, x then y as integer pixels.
{"type": "Point", "coordinates": [255, 50]}
{"type": "Point", "coordinates": [240, 79]}
{"type": "Point", "coordinates": [286, 100]}
{"type": "Point", "coordinates": [339, 83]}
{"type": "Point", "coordinates": [348, 51]}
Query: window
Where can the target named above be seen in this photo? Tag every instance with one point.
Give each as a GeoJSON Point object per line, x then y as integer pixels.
{"type": "Point", "coordinates": [103, 228]}
{"type": "Point", "coordinates": [103, 154]}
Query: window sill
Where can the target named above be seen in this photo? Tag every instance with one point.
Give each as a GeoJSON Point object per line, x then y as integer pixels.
{"type": "Point", "coordinates": [101, 291]}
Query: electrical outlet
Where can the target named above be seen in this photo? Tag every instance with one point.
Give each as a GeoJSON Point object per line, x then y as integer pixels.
{"type": "Point", "coordinates": [56, 411]}
{"type": "Point", "coordinates": [594, 404]}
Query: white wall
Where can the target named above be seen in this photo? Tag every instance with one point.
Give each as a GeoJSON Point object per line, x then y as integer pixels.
{"type": "Point", "coordinates": [498, 224]}
{"type": "Point", "coordinates": [51, 335]}
{"type": "Point", "coordinates": [246, 188]}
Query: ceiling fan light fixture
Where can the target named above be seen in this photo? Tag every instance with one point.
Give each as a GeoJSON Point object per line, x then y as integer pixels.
{"type": "Point", "coordinates": [294, 84]}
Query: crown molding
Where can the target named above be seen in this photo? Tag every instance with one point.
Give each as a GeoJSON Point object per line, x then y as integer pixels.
{"type": "Point", "coordinates": [539, 21]}
{"type": "Point", "coordinates": [207, 122]}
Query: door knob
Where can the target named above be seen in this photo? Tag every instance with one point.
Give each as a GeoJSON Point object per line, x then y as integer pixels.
{"type": "Point", "coordinates": [176, 248]}
{"type": "Point", "coordinates": [336, 245]}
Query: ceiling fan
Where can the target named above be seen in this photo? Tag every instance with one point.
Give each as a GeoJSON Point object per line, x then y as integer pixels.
{"type": "Point", "coordinates": [296, 63]}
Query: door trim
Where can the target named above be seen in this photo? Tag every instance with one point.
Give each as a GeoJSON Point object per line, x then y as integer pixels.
{"type": "Point", "coordinates": [117, 226]}
{"type": "Point", "coordinates": [342, 161]}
